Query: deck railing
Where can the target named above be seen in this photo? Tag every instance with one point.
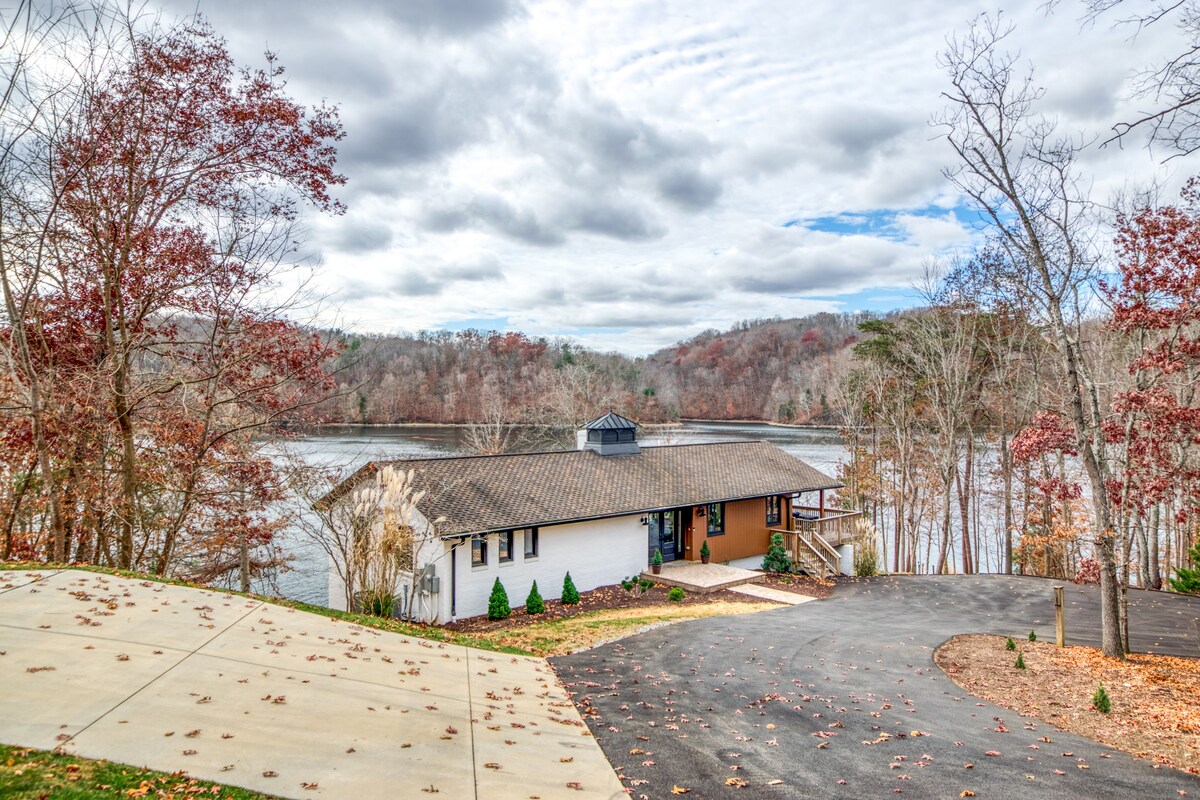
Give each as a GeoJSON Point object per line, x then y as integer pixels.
{"type": "Point", "coordinates": [809, 552]}
{"type": "Point", "coordinates": [810, 544]}
{"type": "Point", "coordinates": [836, 526]}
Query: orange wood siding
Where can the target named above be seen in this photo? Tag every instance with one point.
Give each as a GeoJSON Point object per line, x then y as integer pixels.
{"type": "Point", "coordinates": [745, 531]}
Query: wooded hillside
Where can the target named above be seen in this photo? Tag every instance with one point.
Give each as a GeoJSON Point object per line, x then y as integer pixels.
{"type": "Point", "coordinates": [777, 370]}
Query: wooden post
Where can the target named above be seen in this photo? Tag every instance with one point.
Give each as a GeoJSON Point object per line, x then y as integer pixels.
{"type": "Point", "coordinates": [1060, 623]}
{"type": "Point", "coordinates": [821, 504]}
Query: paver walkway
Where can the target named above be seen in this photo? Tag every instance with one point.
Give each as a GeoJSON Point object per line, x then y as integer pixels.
{"type": "Point", "coordinates": [841, 699]}
{"type": "Point", "coordinates": [695, 576]}
{"type": "Point", "coordinates": [281, 701]}
{"type": "Point", "coordinates": [768, 593]}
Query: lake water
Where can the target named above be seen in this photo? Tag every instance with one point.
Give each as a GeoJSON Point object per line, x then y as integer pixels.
{"type": "Point", "coordinates": [348, 447]}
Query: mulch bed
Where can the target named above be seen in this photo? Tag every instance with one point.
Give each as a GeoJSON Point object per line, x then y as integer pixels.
{"type": "Point", "coordinates": [610, 597]}
{"type": "Point", "coordinates": [1155, 699]}
{"type": "Point", "coordinates": [799, 584]}
{"type": "Point", "coordinates": [606, 597]}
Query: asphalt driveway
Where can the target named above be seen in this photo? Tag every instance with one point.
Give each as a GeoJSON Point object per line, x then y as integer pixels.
{"type": "Point", "coordinates": [841, 698]}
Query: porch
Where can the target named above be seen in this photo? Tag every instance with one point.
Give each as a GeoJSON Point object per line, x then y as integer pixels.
{"type": "Point", "coordinates": [701, 578]}
{"type": "Point", "coordinates": [837, 526]}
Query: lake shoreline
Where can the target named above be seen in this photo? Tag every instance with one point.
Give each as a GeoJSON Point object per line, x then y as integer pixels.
{"type": "Point", "coordinates": [682, 421]}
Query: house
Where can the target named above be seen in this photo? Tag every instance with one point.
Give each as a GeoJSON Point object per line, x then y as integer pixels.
{"type": "Point", "coordinates": [600, 512]}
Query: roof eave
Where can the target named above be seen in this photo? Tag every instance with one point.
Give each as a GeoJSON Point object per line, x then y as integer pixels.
{"type": "Point", "coordinates": [614, 515]}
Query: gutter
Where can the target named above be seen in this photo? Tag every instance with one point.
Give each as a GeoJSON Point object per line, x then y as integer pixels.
{"type": "Point", "coordinates": [467, 534]}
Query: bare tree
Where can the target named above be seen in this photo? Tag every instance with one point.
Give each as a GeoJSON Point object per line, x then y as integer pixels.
{"type": "Point", "coordinates": [1022, 177]}
{"type": "Point", "coordinates": [497, 431]}
{"type": "Point", "coordinates": [1173, 84]}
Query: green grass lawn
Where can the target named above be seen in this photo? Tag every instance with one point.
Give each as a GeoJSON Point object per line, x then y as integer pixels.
{"type": "Point", "coordinates": [27, 774]}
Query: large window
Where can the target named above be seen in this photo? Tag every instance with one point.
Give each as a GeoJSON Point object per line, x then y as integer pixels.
{"type": "Point", "coordinates": [478, 551]}
{"type": "Point", "coordinates": [716, 519]}
{"type": "Point", "coordinates": [506, 547]}
{"type": "Point", "coordinates": [774, 510]}
{"type": "Point", "coordinates": [531, 542]}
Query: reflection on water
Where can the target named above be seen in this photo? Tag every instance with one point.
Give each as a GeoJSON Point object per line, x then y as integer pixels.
{"type": "Point", "coordinates": [349, 447]}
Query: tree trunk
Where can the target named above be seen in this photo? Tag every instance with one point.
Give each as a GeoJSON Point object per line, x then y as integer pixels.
{"type": "Point", "coordinates": [1152, 544]}
{"type": "Point", "coordinates": [963, 481]}
{"type": "Point", "coordinates": [1006, 467]}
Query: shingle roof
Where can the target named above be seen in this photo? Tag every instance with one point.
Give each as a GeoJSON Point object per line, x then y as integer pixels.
{"type": "Point", "coordinates": [488, 493]}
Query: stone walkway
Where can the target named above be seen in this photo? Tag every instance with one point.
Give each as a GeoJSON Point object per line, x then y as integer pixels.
{"type": "Point", "coordinates": [768, 593]}
{"type": "Point", "coordinates": [281, 701]}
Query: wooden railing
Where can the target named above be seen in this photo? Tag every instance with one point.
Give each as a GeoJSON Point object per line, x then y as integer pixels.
{"type": "Point", "coordinates": [836, 526]}
{"type": "Point", "coordinates": [809, 552]}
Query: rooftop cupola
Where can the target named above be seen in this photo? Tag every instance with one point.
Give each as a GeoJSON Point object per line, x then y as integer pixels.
{"type": "Point", "coordinates": [610, 435]}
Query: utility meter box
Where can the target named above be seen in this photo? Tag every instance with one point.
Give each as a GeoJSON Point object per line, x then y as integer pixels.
{"type": "Point", "coordinates": [430, 582]}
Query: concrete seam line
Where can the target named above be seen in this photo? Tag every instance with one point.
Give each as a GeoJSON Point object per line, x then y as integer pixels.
{"type": "Point", "coordinates": [471, 727]}
{"type": "Point", "coordinates": [92, 638]}
{"type": "Point", "coordinates": [31, 583]}
{"type": "Point", "coordinates": [159, 676]}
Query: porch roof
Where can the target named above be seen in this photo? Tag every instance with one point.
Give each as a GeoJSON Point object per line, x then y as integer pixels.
{"type": "Point", "coordinates": [477, 494]}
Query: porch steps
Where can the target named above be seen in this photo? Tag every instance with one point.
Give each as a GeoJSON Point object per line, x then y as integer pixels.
{"type": "Point", "coordinates": [809, 564]}
{"type": "Point", "coordinates": [703, 578]}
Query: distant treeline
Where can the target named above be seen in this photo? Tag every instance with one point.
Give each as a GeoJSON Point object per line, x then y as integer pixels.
{"type": "Point", "coordinates": [773, 369]}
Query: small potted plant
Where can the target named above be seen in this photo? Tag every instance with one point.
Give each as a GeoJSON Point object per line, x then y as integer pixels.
{"type": "Point", "coordinates": [656, 562]}
{"type": "Point", "coordinates": [705, 553]}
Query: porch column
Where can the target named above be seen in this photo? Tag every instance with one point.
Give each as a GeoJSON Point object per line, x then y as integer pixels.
{"type": "Point", "coordinates": [821, 504]}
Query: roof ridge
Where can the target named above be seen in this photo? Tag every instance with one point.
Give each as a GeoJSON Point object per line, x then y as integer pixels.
{"type": "Point", "coordinates": [558, 452]}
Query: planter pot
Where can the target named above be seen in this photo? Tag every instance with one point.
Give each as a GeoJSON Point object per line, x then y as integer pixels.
{"type": "Point", "coordinates": [656, 569]}
{"type": "Point", "coordinates": [705, 559]}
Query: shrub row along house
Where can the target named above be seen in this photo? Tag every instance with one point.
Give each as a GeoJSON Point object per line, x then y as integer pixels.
{"type": "Point", "coordinates": [599, 512]}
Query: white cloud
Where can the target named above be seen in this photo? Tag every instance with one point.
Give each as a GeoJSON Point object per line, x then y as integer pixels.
{"type": "Point", "coordinates": [625, 169]}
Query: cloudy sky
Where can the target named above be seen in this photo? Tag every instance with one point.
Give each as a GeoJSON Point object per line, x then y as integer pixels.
{"type": "Point", "coordinates": [631, 172]}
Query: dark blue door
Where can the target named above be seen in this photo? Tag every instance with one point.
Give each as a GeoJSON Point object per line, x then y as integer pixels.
{"type": "Point", "coordinates": [665, 535]}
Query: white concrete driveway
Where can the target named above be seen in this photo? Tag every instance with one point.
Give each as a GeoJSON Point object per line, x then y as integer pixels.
{"type": "Point", "coordinates": [280, 701]}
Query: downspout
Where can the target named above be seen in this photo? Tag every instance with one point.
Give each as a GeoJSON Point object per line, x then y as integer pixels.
{"type": "Point", "coordinates": [454, 578]}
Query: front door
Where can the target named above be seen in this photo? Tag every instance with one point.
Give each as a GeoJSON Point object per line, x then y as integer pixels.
{"type": "Point", "coordinates": [666, 535]}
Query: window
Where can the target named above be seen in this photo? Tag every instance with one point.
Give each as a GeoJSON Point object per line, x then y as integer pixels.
{"type": "Point", "coordinates": [478, 551]}
{"type": "Point", "coordinates": [531, 542]}
{"type": "Point", "coordinates": [506, 547]}
{"type": "Point", "coordinates": [774, 510]}
{"type": "Point", "coordinates": [716, 519]}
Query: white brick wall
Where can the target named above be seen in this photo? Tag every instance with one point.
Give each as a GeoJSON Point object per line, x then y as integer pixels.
{"type": "Point", "coordinates": [596, 553]}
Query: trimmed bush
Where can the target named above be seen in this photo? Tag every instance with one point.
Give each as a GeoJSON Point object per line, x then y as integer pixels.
{"type": "Point", "coordinates": [676, 594]}
{"type": "Point", "coordinates": [645, 584]}
{"type": "Point", "coordinates": [570, 595]}
{"type": "Point", "coordinates": [1020, 662]}
{"type": "Point", "coordinates": [704, 551]}
{"type": "Point", "coordinates": [534, 603]}
{"type": "Point", "coordinates": [627, 584]}
{"type": "Point", "coordinates": [656, 559]}
{"type": "Point", "coordinates": [776, 559]}
{"type": "Point", "coordinates": [1032, 636]}
{"type": "Point", "coordinates": [1101, 701]}
{"type": "Point", "coordinates": [498, 607]}
{"type": "Point", "coordinates": [1010, 644]}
